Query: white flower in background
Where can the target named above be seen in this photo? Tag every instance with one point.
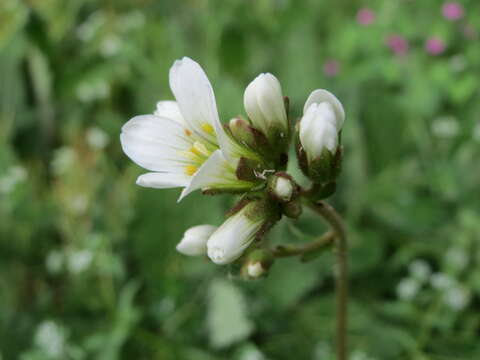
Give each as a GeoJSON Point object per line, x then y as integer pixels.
{"type": "Point", "coordinates": [175, 142]}
{"type": "Point", "coordinates": [97, 138]}
{"type": "Point", "coordinates": [457, 298]}
{"type": "Point", "coordinates": [264, 104]}
{"type": "Point", "coordinates": [420, 270]}
{"type": "Point", "coordinates": [63, 160]}
{"type": "Point", "coordinates": [441, 281]}
{"type": "Point", "coordinates": [445, 127]}
{"type": "Point", "coordinates": [54, 261]}
{"type": "Point", "coordinates": [457, 258]}
{"type": "Point", "coordinates": [408, 288]}
{"type": "Point", "coordinates": [194, 241]}
{"type": "Point", "coordinates": [15, 175]}
{"type": "Point", "coordinates": [79, 261]}
{"type": "Point", "coordinates": [236, 234]}
{"type": "Point", "coordinates": [50, 337]}
{"type": "Point", "coordinates": [322, 120]}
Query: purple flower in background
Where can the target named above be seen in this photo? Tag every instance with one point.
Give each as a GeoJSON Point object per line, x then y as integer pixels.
{"type": "Point", "coordinates": [398, 44]}
{"type": "Point", "coordinates": [365, 16]}
{"type": "Point", "coordinates": [434, 45]}
{"type": "Point", "coordinates": [331, 68]}
{"type": "Point", "coordinates": [452, 11]}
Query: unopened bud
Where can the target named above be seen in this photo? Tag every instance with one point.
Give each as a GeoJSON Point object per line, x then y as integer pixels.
{"type": "Point", "coordinates": [257, 264]}
{"type": "Point", "coordinates": [282, 187]}
{"type": "Point", "coordinates": [194, 241]}
{"type": "Point", "coordinates": [318, 147]}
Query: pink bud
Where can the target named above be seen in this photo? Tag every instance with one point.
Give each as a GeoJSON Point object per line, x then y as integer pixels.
{"type": "Point", "coordinates": [434, 45]}
{"type": "Point", "coordinates": [398, 44]}
{"type": "Point", "coordinates": [452, 11]}
{"type": "Point", "coordinates": [365, 16]}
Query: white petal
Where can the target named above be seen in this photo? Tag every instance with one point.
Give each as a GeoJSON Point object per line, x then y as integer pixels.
{"type": "Point", "coordinates": [317, 130]}
{"type": "Point", "coordinates": [195, 97]}
{"type": "Point", "coordinates": [194, 241]}
{"type": "Point", "coordinates": [320, 95]}
{"type": "Point", "coordinates": [216, 173]}
{"type": "Point", "coordinates": [170, 110]}
{"type": "Point", "coordinates": [154, 143]}
{"type": "Point", "coordinates": [163, 180]}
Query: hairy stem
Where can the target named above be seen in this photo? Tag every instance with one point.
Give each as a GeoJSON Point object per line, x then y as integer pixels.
{"type": "Point", "coordinates": [341, 280]}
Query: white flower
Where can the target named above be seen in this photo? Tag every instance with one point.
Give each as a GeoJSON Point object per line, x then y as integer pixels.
{"type": "Point", "coordinates": [264, 104]}
{"type": "Point", "coordinates": [231, 239]}
{"type": "Point", "coordinates": [175, 142]}
{"type": "Point", "coordinates": [318, 130]}
{"type": "Point", "coordinates": [194, 241]}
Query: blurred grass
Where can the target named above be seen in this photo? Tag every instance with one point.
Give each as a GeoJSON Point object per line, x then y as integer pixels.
{"type": "Point", "coordinates": [88, 266]}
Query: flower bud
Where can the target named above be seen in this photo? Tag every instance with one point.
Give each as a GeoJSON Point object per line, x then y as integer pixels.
{"type": "Point", "coordinates": [282, 187]}
{"type": "Point", "coordinates": [265, 106]}
{"type": "Point", "coordinates": [236, 234]}
{"type": "Point", "coordinates": [318, 147]}
{"type": "Point", "coordinates": [257, 264]}
{"type": "Point", "coordinates": [194, 241]}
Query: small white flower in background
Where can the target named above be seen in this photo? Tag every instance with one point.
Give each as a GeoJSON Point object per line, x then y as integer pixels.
{"type": "Point", "coordinates": [110, 46]}
{"type": "Point", "coordinates": [15, 175]}
{"type": "Point", "coordinates": [54, 261]}
{"type": "Point", "coordinates": [420, 270]}
{"type": "Point", "coordinates": [408, 288]}
{"type": "Point", "coordinates": [79, 261]}
{"type": "Point", "coordinates": [50, 337]}
{"type": "Point", "coordinates": [457, 258]}
{"type": "Point", "coordinates": [78, 204]}
{"type": "Point", "coordinates": [264, 104]}
{"type": "Point", "coordinates": [90, 90]}
{"type": "Point", "coordinates": [445, 127]}
{"type": "Point", "coordinates": [63, 160]}
{"type": "Point", "coordinates": [360, 355]}
{"type": "Point", "coordinates": [97, 138]}
{"type": "Point", "coordinates": [441, 281]}
{"type": "Point", "coordinates": [183, 143]}
{"type": "Point", "coordinates": [236, 234]}
{"type": "Point", "coordinates": [194, 241]}
{"type": "Point", "coordinates": [457, 298]}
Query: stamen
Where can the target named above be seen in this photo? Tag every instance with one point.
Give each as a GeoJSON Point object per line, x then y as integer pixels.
{"type": "Point", "coordinates": [200, 149]}
{"type": "Point", "coordinates": [207, 128]}
{"type": "Point", "coordinates": [190, 170]}
{"type": "Point", "coordinates": [188, 132]}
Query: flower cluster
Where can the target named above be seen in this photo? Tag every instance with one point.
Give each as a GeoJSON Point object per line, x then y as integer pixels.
{"type": "Point", "coordinates": [184, 144]}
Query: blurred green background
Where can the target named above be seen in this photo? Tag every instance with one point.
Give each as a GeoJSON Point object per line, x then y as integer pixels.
{"type": "Point", "coordinates": [88, 267]}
